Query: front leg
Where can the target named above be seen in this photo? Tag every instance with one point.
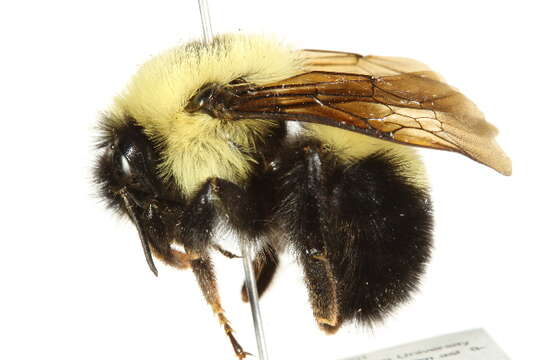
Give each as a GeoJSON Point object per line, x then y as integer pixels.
{"type": "Point", "coordinates": [154, 220]}
{"type": "Point", "coordinates": [196, 230]}
{"type": "Point", "coordinates": [204, 273]}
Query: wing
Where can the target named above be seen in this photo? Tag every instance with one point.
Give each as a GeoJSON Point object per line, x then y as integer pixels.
{"type": "Point", "coordinates": [393, 99]}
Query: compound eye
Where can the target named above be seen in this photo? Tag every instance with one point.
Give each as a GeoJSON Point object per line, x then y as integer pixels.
{"type": "Point", "coordinates": [135, 160]}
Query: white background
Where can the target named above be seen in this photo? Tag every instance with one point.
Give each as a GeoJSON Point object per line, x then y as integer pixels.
{"type": "Point", "coordinates": [74, 283]}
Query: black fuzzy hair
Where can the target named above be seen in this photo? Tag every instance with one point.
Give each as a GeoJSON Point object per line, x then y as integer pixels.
{"type": "Point", "coordinates": [371, 220]}
{"type": "Point", "coordinates": [385, 225]}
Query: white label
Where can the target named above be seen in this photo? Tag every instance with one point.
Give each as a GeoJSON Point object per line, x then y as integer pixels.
{"type": "Point", "coordinates": [467, 345]}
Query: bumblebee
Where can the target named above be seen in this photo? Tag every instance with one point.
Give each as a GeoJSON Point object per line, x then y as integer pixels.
{"type": "Point", "coordinates": [202, 137]}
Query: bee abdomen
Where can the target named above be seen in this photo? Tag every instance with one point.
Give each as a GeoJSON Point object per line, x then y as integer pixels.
{"type": "Point", "coordinates": [384, 224]}
{"type": "Point", "coordinates": [372, 223]}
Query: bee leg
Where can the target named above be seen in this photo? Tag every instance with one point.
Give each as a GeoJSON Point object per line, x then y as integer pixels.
{"type": "Point", "coordinates": [151, 219]}
{"type": "Point", "coordinates": [244, 216]}
{"type": "Point", "coordinates": [155, 218]}
{"type": "Point", "coordinates": [322, 289]}
{"type": "Point", "coordinates": [225, 253]}
{"type": "Point", "coordinates": [204, 273]}
{"type": "Point", "coordinates": [264, 266]}
{"type": "Point", "coordinates": [305, 214]}
{"type": "Point", "coordinates": [196, 231]}
{"type": "Point", "coordinates": [172, 257]}
{"type": "Point", "coordinates": [240, 209]}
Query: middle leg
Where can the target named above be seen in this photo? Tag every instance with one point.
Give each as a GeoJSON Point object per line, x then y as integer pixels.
{"type": "Point", "coordinates": [264, 266]}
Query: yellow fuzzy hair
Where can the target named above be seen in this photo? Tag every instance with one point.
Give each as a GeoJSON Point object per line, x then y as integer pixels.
{"type": "Point", "coordinates": [196, 147]}
{"type": "Point", "coordinates": [350, 146]}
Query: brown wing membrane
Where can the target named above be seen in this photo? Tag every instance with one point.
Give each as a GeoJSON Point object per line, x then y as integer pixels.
{"type": "Point", "coordinates": [394, 99]}
{"type": "Point", "coordinates": [331, 61]}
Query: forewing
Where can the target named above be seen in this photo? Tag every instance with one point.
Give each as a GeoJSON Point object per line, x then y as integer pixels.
{"type": "Point", "coordinates": [390, 98]}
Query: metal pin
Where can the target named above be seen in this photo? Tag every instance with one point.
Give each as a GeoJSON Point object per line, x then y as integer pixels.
{"type": "Point", "coordinates": [205, 21]}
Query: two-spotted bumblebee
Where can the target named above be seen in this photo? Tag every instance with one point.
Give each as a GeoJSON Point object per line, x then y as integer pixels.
{"type": "Point", "coordinates": [200, 138]}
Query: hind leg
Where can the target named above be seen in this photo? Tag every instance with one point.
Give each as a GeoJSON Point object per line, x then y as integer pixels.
{"type": "Point", "coordinates": [304, 213]}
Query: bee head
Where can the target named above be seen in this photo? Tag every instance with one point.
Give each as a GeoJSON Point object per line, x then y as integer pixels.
{"type": "Point", "coordinates": [128, 163]}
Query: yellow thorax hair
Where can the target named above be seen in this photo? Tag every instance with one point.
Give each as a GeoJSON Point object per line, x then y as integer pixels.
{"type": "Point", "coordinates": [195, 146]}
